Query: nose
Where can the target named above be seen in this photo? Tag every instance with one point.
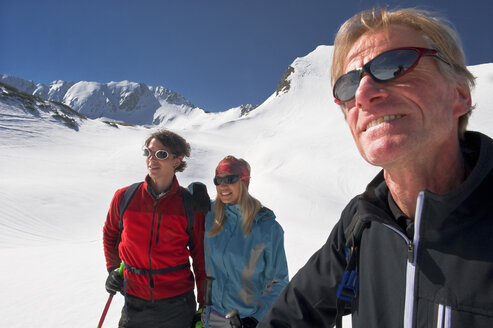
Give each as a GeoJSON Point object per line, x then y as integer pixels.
{"type": "Point", "coordinates": [368, 92]}
{"type": "Point", "coordinates": [152, 156]}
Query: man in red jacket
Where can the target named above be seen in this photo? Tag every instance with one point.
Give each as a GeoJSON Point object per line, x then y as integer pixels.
{"type": "Point", "coordinates": [155, 244]}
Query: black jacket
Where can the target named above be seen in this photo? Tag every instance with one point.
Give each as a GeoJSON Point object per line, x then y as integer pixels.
{"type": "Point", "coordinates": [444, 273]}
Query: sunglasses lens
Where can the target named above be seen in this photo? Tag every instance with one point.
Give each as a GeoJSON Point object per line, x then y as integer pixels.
{"type": "Point", "coordinates": [161, 154]}
{"type": "Point", "coordinates": [232, 179]}
{"type": "Point", "coordinates": [229, 179]}
{"type": "Point", "coordinates": [384, 67]}
{"type": "Point", "coordinates": [393, 64]}
{"type": "Point", "coordinates": [346, 86]}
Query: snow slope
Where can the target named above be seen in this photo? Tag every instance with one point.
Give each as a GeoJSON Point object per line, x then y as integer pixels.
{"type": "Point", "coordinates": [56, 184]}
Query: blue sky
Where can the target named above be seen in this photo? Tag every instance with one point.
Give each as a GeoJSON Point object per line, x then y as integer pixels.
{"type": "Point", "coordinates": [218, 54]}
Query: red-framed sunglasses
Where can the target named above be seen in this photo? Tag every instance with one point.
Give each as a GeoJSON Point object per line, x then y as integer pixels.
{"type": "Point", "coordinates": [387, 66]}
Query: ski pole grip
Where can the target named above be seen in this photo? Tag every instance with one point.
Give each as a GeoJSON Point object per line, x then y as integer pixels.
{"type": "Point", "coordinates": [120, 269]}
{"type": "Point", "coordinates": [208, 290]}
{"type": "Point", "coordinates": [234, 318]}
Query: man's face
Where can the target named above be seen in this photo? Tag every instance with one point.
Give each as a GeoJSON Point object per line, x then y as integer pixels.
{"type": "Point", "coordinates": [161, 169]}
{"type": "Point", "coordinates": [406, 119]}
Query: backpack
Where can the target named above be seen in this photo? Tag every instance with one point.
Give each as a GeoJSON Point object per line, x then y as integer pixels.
{"type": "Point", "coordinates": [187, 202]}
{"type": "Point", "coordinates": [348, 288]}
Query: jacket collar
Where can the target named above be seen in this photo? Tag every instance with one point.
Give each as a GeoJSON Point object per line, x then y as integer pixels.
{"type": "Point", "coordinates": [174, 188]}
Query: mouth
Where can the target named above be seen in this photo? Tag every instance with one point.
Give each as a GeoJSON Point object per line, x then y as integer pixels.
{"type": "Point", "coordinates": [380, 120]}
{"type": "Point", "coordinates": [226, 193]}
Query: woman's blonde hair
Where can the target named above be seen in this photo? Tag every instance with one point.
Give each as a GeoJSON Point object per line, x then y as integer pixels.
{"type": "Point", "coordinates": [437, 31]}
{"type": "Point", "coordinates": [248, 204]}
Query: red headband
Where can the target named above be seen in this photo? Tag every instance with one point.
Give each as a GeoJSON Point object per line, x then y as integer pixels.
{"type": "Point", "coordinates": [231, 166]}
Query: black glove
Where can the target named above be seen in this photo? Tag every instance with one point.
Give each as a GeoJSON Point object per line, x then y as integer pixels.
{"type": "Point", "coordinates": [249, 322]}
{"type": "Point", "coordinates": [201, 199]}
{"type": "Point", "coordinates": [114, 282]}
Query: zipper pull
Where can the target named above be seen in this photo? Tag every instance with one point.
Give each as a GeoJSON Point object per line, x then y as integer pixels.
{"type": "Point", "coordinates": [410, 252]}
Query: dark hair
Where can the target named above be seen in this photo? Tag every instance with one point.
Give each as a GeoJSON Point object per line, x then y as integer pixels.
{"type": "Point", "coordinates": [176, 144]}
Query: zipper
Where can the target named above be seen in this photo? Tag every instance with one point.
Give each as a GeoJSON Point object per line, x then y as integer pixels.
{"type": "Point", "coordinates": [410, 252]}
{"type": "Point", "coordinates": [158, 227]}
{"type": "Point", "coordinates": [151, 280]}
{"type": "Point", "coordinates": [412, 248]}
{"type": "Point", "coordinates": [411, 264]}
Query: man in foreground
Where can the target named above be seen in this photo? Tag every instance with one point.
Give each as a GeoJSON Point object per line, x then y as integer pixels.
{"type": "Point", "coordinates": [414, 250]}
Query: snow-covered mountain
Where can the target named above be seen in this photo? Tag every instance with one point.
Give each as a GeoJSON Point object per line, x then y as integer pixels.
{"type": "Point", "coordinates": [56, 182]}
{"type": "Point", "coordinates": [130, 102]}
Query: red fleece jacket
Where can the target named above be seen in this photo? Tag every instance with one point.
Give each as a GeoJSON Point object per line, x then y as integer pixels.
{"type": "Point", "coordinates": [154, 236]}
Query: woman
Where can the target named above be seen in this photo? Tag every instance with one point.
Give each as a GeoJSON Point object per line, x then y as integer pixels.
{"type": "Point", "coordinates": [244, 249]}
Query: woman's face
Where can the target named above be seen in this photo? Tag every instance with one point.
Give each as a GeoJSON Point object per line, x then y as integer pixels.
{"type": "Point", "coordinates": [228, 193]}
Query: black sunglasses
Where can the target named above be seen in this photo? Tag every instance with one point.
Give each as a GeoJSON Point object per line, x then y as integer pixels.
{"type": "Point", "coordinates": [160, 154]}
{"type": "Point", "coordinates": [228, 179]}
{"type": "Point", "coordinates": [387, 66]}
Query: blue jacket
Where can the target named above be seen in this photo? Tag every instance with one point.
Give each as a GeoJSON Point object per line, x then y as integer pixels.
{"type": "Point", "coordinates": [250, 272]}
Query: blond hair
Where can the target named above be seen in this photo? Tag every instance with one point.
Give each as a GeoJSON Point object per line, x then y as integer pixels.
{"type": "Point", "coordinates": [248, 204]}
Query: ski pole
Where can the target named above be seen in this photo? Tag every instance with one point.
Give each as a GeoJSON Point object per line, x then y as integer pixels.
{"type": "Point", "coordinates": [107, 306]}
{"type": "Point", "coordinates": [110, 298]}
{"type": "Point", "coordinates": [208, 299]}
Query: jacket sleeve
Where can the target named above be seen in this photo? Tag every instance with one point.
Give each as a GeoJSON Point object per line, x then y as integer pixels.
{"type": "Point", "coordinates": [276, 273]}
{"type": "Point", "coordinates": [111, 231]}
{"type": "Point", "coordinates": [309, 300]}
{"type": "Point", "coordinates": [197, 254]}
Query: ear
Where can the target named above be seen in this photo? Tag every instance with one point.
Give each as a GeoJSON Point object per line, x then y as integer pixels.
{"type": "Point", "coordinates": [177, 161]}
{"type": "Point", "coordinates": [462, 101]}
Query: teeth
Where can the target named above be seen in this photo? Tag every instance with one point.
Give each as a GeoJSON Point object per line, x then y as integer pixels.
{"type": "Point", "coordinates": [382, 119]}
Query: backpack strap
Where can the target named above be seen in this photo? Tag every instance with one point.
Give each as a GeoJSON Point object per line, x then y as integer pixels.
{"type": "Point", "coordinates": [348, 288]}
{"type": "Point", "coordinates": [127, 196]}
{"type": "Point", "coordinates": [189, 210]}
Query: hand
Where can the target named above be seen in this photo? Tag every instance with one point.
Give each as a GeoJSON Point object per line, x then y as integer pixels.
{"type": "Point", "coordinates": [201, 199]}
{"type": "Point", "coordinates": [114, 282]}
{"type": "Point", "coordinates": [249, 322]}
{"type": "Point", "coordinates": [197, 318]}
